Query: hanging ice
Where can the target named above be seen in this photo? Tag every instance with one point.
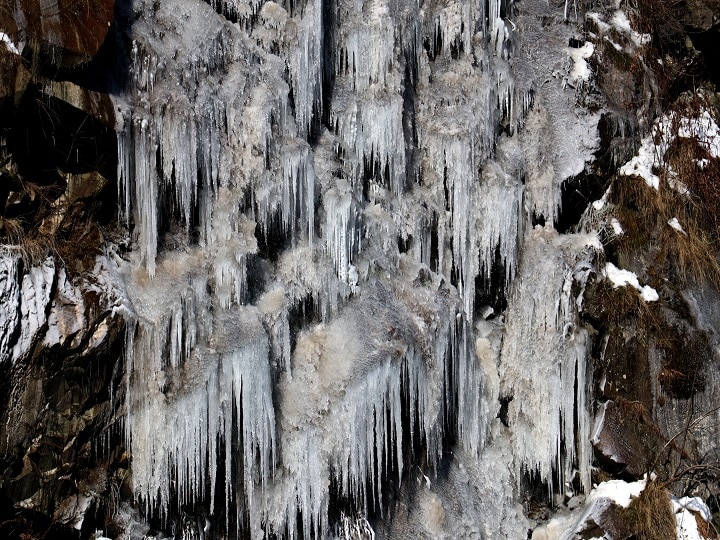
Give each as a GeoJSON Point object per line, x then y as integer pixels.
{"type": "Point", "coordinates": [544, 362]}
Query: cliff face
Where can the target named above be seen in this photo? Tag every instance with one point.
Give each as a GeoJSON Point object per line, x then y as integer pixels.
{"type": "Point", "coordinates": [343, 269]}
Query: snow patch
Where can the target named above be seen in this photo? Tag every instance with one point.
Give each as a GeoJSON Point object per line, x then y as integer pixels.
{"type": "Point", "coordinates": [9, 44]}
{"type": "Point", "coordinates": [581, 69]}
{"type": "Point", "coordinates": [621, 278]}
{"type": "Point", "coordinates": [675, 224]}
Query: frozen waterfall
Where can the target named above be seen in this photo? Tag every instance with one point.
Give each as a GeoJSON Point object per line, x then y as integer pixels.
{"type": "Point", "coordinates": [317, 191]}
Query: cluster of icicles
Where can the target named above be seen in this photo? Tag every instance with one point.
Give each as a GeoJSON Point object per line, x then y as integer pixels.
{"type": "Point", "coordinates": [250, 215]}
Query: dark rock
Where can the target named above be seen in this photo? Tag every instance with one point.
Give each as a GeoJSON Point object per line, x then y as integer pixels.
{"type": "Point", "coordinates": [626, 436]}
{"type": "Point", "coordinates": [701, 15]}
{"type": "Point", "coordinates": [58, 33]}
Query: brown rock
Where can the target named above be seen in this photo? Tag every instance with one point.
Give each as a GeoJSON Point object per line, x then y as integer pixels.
{"type": "Point", "coordinates": [701, 15]}
{"type": "Point", "coordinates": [96, 104]}
{"type": "Point", "coordinates": [63, 32]}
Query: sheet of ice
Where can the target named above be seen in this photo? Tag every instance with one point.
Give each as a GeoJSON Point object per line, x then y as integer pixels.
{"type": "Point", "coordinates": [66, 319]}
{"type": "Point", "coordinates": [10, 291]}
{"type": "Point", "coordinates": [35, 294]}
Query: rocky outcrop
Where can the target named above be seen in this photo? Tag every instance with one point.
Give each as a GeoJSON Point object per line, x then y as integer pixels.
{"type": "Point", "coordinates": [62, 315]}
{"type": "Point", "coordinates": [56, 34]}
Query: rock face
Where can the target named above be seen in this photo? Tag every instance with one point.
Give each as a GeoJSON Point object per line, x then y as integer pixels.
{"type": "Point", "coordinates": [57, 33]}
{"type": "Point", "coordinates": [62, 326]}
{"type": "Point", "coordinates": [357, 270]}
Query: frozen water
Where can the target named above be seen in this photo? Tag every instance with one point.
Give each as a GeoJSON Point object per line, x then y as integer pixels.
{"type": "Point", "coordinates": [544, 361]}
{"type": "Point", "coordinates": [314, 192]}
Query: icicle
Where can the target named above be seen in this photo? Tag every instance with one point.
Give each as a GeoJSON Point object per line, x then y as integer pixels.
{"type": "Point", "coordinates": [180, 409]}
{"type": "Point", "coordinates": [242, 9]}
{"type": "Point", "coordinates": [146, 192]}
{"type": "Point", "coordinates": [351, 426]}
{"type": "Point", "coordinates": [453, 25]}
{"type": "Point", "coordinates": [543, 361]}
{"type": "Point", "coordinates": [499, 218]}
{"type": "Point", "coordinates": [342, 228]}
{"type": "Point", "coordinates": [366, 46]}
{"type": "Point", "coordinates": [275, 309]}
{"type": "Point", "coordinates": [372, 130]}
{"type": "Point", "coordinates": [305, 65]}
{"type": "Point", "coordinates": [298, 190]}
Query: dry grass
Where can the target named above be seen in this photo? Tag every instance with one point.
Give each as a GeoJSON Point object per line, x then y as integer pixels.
{"type": "Point", "coordinates": [11, 230]}
{"type": "Point", "coordinates": [690, 256]}
{"type": "Point", "coordinates": [651, 514]}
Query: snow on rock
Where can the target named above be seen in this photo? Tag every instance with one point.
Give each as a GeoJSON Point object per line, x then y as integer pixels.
{"type": "Point", "coordinates": [644, 163]}
{"type": "Point", "coordinates": [8, 43]}
{"type": "Point", "coordinates": [675, 224]}
{"type": "Point", "coordinates": [581, 70]}
{"type": "Point", "coordinates": [650, 158]}
{"type": "Point", "coordinates": [621, 23]}
{"type": "Point", "coordinates": [688, 510]}
{"type": "Point", "coordinates": [622, 278]}
{"type": "Point", "coordinates": [598, 510]}
{"type": "Point", "coordinates": [704, 130]}
{"type": "Point", "coordinates": [598, 501]}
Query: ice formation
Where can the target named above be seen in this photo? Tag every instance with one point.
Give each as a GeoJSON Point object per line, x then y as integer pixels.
{"type": "Point", "coordinates": [314, 193]}
{"type": "Point", "coordinates": [544, 359]}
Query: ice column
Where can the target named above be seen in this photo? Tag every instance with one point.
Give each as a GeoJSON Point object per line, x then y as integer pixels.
{"type": "Point", "coordinates": [543, 363]}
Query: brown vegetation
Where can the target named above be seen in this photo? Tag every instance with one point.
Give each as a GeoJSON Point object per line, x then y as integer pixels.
{"type": "Point", "coordinates": [650, 515]}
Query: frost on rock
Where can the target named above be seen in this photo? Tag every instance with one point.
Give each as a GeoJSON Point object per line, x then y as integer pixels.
{"type": "Point", "coordinates": [544, 360]}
